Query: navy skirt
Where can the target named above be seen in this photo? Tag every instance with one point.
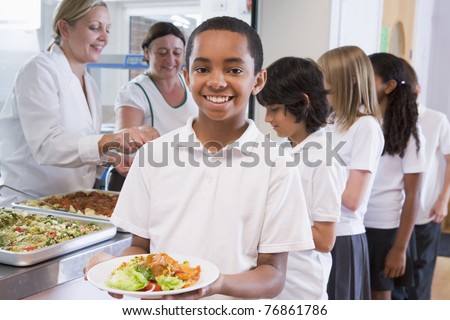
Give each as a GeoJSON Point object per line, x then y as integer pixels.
{"type": "Point", "coordinates": [350, 273]}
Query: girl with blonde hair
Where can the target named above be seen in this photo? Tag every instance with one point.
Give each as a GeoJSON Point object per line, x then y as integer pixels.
{"type": "Point", "coordinates": [359, 142]}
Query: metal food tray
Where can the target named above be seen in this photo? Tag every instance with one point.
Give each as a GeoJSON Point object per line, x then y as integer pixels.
{"type": "Point", "coordinates": [22, 259]}
{"type": "Point", "coordinates": [22, 205]}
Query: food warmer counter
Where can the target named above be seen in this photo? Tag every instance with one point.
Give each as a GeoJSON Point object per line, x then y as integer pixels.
{"type": "Point", "coordinates": [21, 282]}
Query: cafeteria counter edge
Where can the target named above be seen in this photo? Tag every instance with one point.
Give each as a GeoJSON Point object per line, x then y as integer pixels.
{"type": "Point", "coordinates": [21, 282]}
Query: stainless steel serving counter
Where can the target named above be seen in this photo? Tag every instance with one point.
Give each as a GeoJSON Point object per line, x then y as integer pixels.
{"type": "Point", "coordinates": [20, 282]}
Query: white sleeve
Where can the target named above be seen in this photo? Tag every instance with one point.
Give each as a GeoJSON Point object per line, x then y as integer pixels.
{"type": "Point", "coordinates": [328, 185]}
{"type": "Point", "coordinates": [131, 95]}
{"type": "Point", "coordinates": [286, 221]}
{"type": "Point", "coordinates": [367, 146]}
{"type": "Point", "coordinates": [444, 136]}
{"type": "Point", "coordinates": [40, 105]}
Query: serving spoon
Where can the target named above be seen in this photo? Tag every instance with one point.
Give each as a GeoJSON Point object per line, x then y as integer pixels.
{"type": "Point", "coordinates": [31, 196]}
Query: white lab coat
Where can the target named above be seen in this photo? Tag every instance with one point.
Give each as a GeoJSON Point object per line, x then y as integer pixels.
{"type": "Point", "coordinates": [49, 133]}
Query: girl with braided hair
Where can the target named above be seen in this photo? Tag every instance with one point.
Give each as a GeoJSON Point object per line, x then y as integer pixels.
{"type": "Point", "coordinates": [393, 203]}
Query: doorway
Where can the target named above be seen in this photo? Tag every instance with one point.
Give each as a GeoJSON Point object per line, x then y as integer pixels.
{"type": "Point", "coordinates": [397, 30]}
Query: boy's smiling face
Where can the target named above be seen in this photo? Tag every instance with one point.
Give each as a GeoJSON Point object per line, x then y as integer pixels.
{"type": "Point", "coordinates": [221, 75]}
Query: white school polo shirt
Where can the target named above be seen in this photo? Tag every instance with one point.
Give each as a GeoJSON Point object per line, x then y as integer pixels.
{"type": "Point", "coordinates": [436, 129]}
{"type": "Point", "coordinates": [225, 208]}
{"type": "Point", "coordinates": [386, 200]}
{"type": "Point", "coordinates": [323, 181]}
{"type": "Point", "coordinates": [362, 146]}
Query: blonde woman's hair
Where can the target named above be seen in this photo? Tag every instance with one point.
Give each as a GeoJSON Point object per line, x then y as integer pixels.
{"type": "Point", "coordinates": [349, 73]}
{"type": "Point", "coordinates": [71, 11]}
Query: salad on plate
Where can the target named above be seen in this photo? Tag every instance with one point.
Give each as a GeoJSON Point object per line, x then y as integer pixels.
{"type": "Point", "coordinates": [153, 272]}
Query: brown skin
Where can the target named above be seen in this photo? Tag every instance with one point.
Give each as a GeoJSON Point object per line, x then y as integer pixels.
{"type": "Point", "coordinates": [221, 78]}
{"type": "Point", "coordinates": [396, 257]}
{"type": "Point", "coordinates": [221, 69]}
{"type": "Point", "coordinates": [395, 260]}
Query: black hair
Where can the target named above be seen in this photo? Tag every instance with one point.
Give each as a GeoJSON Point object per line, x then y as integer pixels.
{"type": "Point", "coordinates": [410, 75]}
{"type": "Point", "coordinates": [400, 119]}
{"type": "Point", "coordinates": [234, 25]}
{"type": "Point", "coordinates": [289, 81]}
{"type": "Point", "coordinates": [161, 29]}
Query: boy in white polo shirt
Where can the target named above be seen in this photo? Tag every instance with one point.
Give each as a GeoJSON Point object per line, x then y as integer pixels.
{"type": "Point", "coordinates": [217, 188]}
{"type": "Point", "coordinates": [297, 108]}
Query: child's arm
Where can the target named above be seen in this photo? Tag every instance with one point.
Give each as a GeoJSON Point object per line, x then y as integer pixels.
{"type": "Point", "coordinates": [396, 257]}
{"type": "Point", "coordinates": [263, 282]}
{"type": "Point", "coordinates": [356, 187]}
{"type": "Point", "coordinates": [324, 235]}
{"type": "Point", "coordinates": [440, 208]}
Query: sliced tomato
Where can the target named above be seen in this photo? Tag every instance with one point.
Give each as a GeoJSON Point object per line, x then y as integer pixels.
{"type": "Point", "coordinates": [157, 287]}
{"type": "Point", "coordinates": [151, 285]}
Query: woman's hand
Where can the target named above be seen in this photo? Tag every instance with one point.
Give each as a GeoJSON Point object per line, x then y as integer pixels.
{"type": "Point", "coordinates": [123, 163]}
{"type": "Point", "coordinates": [126, 141]}
{"type": "Point", "coordinates": [138, 136]}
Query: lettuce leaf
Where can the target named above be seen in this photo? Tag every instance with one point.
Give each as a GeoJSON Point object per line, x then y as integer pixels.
{"type": "Point", "coordinates": [145, 271]}
{"type": "Point", "coordinates": [169, 283]}
{"type": "Point", "coordinates": [127, 279]}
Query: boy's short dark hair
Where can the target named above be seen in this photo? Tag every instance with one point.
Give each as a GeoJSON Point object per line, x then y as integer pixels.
{"type": "Point", "coordinates": [234, 25]}
{"type": "Point", "coordinates": [289, 79]}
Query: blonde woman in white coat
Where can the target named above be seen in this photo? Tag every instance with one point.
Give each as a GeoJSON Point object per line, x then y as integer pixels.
{"type": "Point", "coordinates": [50, 124]}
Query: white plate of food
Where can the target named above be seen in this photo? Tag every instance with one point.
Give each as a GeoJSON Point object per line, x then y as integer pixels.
{"type": "Point", "coordinates": [151, 276]}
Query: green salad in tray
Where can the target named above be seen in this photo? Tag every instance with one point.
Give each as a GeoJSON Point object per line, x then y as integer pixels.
{"type": "Point", "coordinates": [153, 272]}
{"type": "Point", "coordinates": [21, 231]}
